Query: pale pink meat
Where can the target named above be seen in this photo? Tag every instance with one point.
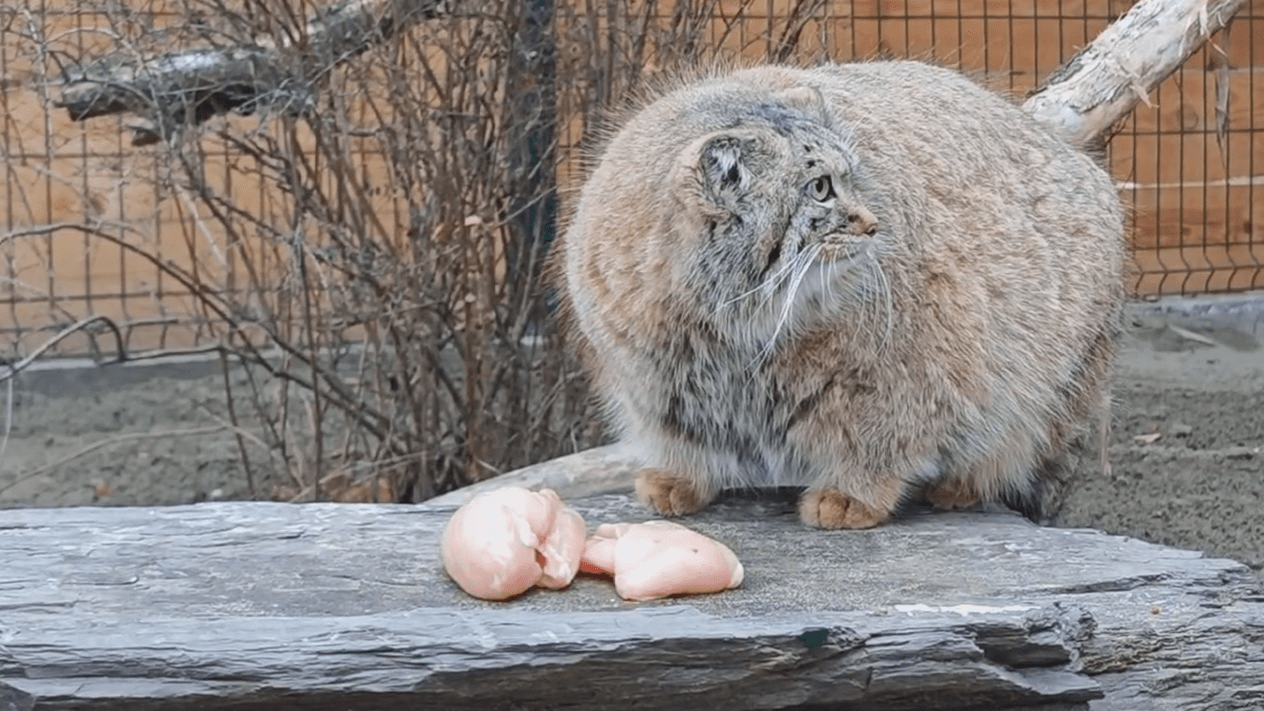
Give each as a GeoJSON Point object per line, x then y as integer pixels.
{"type": "Point", "coordinates": [660, 558]}
{"type": "Point", "coordinates": [501, 543]}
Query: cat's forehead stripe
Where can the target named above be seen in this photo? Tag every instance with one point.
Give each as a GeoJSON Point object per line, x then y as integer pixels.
{"type": "Point", "coordinates": [781, 118]}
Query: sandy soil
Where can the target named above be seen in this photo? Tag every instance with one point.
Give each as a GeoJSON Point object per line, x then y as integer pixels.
{"type": "Point", "coordinates": [1186, 452]}
{"type": "Point", "coordinates": [1187, 447]}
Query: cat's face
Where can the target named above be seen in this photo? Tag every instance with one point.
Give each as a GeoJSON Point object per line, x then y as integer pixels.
{"type": "Point", "coordinates": [782, 230]}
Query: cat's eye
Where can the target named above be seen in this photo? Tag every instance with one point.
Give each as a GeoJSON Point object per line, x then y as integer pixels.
{"type": "Point", "coordinates": [821, 188]}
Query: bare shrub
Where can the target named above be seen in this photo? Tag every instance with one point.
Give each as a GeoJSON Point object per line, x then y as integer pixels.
{"type": "Point", "coordinates": [362, 246]}
{"type": "Point", "coordinates": [368, 245]}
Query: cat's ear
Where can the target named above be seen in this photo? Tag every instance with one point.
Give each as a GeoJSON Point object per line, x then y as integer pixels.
{"type": "Point", "coordinates": [807, 99]}
{"type": "Point", "coordinates": [719, 168]}
{"type": "Point", "coordinates": [723, 164]}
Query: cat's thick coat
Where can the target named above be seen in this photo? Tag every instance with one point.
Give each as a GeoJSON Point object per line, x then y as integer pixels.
{"type": "Point", "coordinates": [866, 279]}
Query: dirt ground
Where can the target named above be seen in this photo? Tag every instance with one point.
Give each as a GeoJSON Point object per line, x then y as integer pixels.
{"type": "Point", "coordinates": [1186, 452]}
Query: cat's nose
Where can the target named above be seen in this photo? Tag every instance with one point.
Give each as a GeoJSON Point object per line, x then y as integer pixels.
{"type": "Point", "coordinates": [861, 222]}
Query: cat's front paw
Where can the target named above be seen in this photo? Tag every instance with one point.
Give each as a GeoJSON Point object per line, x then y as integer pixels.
{"type": "Point", "coordinates": [668, 493]}
{"type": "Point", "coordinates": [831, 508]}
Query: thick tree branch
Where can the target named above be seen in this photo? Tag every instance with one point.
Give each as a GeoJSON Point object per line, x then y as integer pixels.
{"type": "Point", "coordinates": [190, 86]}
{"type": "Point", "coordinates": [1116, 71]}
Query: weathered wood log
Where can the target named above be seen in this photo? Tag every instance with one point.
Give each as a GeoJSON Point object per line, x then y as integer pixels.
{"type": "Point", "coordinates": [1115, 72]}
{"type": "Point", "coordinates": [324, 606]}
{"type": "Point", "coordinates": [189, 86]}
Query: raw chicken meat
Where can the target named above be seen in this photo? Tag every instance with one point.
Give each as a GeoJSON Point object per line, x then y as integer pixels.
{"type": "Point", "coordinates": [660, 558]}
{"type": "Point", "coordinates": [501, 543]}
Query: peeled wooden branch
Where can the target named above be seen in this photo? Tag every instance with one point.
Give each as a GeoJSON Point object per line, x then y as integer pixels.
{"type": "Point", "coordinates": [188, 87]}
{"type": "Point", "coordinates": [1106, 79]}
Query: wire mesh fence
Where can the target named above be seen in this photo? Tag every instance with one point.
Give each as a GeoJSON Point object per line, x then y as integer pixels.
{"type": "Point", "coordinates": [374, 240]}
{"type": "Point", "coordinates": [1189, 161]}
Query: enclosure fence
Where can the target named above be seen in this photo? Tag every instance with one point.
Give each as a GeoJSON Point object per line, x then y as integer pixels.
{"type": "Point", "coordinates": [1190, 160]}
{"type": "Point", "coordinates": [353, 215]}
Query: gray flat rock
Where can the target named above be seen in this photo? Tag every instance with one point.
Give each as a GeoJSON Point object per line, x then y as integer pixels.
{"type": "Point", "coordinates": [336, 606]}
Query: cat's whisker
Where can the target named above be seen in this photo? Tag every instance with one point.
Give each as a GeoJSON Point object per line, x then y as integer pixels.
{"type": "Point", "coordinates": [861, 295]}
{"type": "Point", "coordinates": [800, 266]}
{"type": "Point", "coordinates": [887, 304]}
{"type": "Point", "coordinates": [827, 276]}
{"type": "Point", "coordinates": [872, 293]}
{"type": "Point", "coordinates": [784, 271]}
{"type": "Point", "coordinates": [846, 138]}
{"type": "Point", "coordinates": [749, 292]}
{"type": "Point", "coordinates": [879, 316]}
{"type": "Point", "coordinates": [768, 286]}
{"type": "Point", "coordinates": [774, 281]}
